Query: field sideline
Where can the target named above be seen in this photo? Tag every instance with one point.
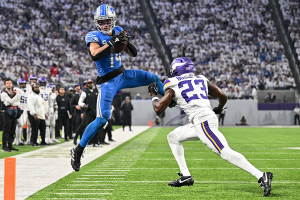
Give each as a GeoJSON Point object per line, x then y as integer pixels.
{"type": "Point", "coordinates": [142, 167]}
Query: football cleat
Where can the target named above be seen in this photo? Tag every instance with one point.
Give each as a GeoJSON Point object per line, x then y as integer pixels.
{"type": "Point", "coordinates": [265, 182]}
{"type": "Point", "coordinates": [75, 159]}
{"type": "Point", "coordinates": [182, 181]}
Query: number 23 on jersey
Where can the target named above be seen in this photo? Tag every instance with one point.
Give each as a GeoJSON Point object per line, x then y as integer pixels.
{"type": "Point", "coordinates": [193, 89]}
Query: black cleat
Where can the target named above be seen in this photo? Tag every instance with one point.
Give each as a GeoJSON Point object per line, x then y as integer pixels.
{"type": "Point", "coordinates": [182, 181]}
{"type": "Point", "coordinates": [265, 182]}
{"type": "Point", "coordinates": [13, 149]}
{"type": "Point", "coordinates": [75, 159]}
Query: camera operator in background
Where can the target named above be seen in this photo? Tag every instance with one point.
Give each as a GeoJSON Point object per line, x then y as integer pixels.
{"type": "Point", "coordinates": [37, 115]}
{"type": "Point", "coordinates": [23, 106]}
{"type": "Point", "coordinates": [71, 124]}
{"type": "Point", "coordinates": [88, 100]}
{"type": "Point", "coordinates": [76, 111]}
{"type": "Point", "coordinates": [64, 113]}
{"type": "Point", "coordinates": [53, 113]}
{"type": "Point", "coordinates": [10, 100]}
{"type": "Point", "coordinates": [45, 93]}
{"type": "Point", "coordinates": [80, 129]}
{"type": "Point", "coordinates": [32, 79]}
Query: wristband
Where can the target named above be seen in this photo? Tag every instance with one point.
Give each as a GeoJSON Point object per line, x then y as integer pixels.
{"type": "Point", "coordinates": [155, 98]}
{"type": "Point", "coordinates": [110, 44]}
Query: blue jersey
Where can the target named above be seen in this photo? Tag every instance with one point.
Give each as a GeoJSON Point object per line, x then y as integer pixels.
{"type": "Point", "coordinates": [111, 60]}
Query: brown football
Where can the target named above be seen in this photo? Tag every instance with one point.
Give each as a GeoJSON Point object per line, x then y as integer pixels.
{"type": "Point", "coordinates": [118, 47]}
{"type": "Point", "coordinates": [12, 94]}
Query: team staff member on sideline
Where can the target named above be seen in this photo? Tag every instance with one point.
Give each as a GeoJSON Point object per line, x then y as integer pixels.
{"type": "Point", "coordinates": [76, 110]}
{"type": "Point", "coordinates": [88, 100]}
{"type": "Point", "coordinates": [126, 118]}
{"type": "Point", "coordinates": [9, 124]}
{"type": "Point", "coordinates": [71, 125]}
{"type": "Point", "coordinates": [81, 127]}
{"type": "Point", "coordinates": [63, 103]}
{"type": "Point", "coordinates": [37, 115]}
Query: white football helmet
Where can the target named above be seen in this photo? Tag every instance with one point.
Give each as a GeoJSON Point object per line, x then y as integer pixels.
{"type": "Point", "coordinates": [104, 12]}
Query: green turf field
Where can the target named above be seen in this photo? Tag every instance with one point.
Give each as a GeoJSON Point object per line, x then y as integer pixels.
{"type": "Point", "coordinates": [142, 167]}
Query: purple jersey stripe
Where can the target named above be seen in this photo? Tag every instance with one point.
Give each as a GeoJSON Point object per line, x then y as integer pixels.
{"type": "Point", "coordinates": [211, 136]}
{"type": "Point", "coordinates": [167, 81]}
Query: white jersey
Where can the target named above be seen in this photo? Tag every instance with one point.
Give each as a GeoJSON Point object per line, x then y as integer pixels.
{"type": "Point", "coordinates": [23, 99]}
{"type": "Point", "coordinates": [53, 100]}
{"type": "Point", "coordinates": [45, 94]}
{"type": "Point", "coordinates": [191, 94]}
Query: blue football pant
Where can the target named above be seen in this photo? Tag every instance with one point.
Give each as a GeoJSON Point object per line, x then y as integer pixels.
{"type": "Point", "coordinates": [107, 91]}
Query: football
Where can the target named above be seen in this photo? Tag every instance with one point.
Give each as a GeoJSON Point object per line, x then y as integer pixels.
{"type": "Point", "coordinates": [12, 94]}
{"type": "Point", "coordinates": [119, 47]}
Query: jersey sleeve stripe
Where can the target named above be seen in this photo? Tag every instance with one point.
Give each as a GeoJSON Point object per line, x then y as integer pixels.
{"type": "Point", "coordinates": [211, 136]}
{"type": "Point", "coordinates": [166, 85]}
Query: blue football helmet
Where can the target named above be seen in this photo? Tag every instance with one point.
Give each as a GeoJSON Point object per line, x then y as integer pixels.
{"type": "Point", "coordinates": [33, 77]}
{"type": "Point", "coordinates": [104, 12]}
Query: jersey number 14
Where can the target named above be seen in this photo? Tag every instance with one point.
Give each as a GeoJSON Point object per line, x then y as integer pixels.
{"type": "Point", "coordinates": [192, 84]}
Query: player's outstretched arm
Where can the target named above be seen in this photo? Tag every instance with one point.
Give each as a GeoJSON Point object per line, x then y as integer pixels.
{"type": "Point", "coordinates": [96, 52]}
{"type": "Point", "coordinates": [161, 105]}
{"type": "Point", "coordinates": [215, 91]}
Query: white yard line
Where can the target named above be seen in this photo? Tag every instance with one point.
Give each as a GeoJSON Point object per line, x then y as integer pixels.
{"type": "Point", "coordinates": [40, 168]}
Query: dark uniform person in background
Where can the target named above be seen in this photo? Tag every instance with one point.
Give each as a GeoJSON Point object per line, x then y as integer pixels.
{"type": "Point", "coordinates": [126, 118]}
{"type": "Point", "coordinates": [9, 122]}
{"type": "Point", "coordinates": [76, 111]}
{"type": "Point", "coordinates": [80, 129]}
{"type": "Point", "coordinates": [88, 100]}
{"type": "Point", "coordinates": [221, 117]}
{"type": "Point", "coordinates": [71, 124]}
{"type": "Point", "coordinates": [64, 110]}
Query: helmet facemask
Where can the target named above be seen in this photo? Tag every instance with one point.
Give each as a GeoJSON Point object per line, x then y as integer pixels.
{"type": "Point", "coordinates": [102, 14]}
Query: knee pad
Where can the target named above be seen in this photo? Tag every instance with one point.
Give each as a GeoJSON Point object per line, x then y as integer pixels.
{"type": "Point", "coordinates": [153, 77]}
{"type": "Point", "coordinates": [226, 153]}
{"type": "Point", "coordinates": [106, 115]}
{"type": "Point", "coordinates": [173, 138]}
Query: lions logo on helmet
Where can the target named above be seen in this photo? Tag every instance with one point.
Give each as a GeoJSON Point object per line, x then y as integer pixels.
{"type": "Point", "coordinates": [105, 12]}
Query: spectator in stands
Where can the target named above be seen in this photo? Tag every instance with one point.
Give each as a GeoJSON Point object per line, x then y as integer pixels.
{"type": "Point", "coordinates": [138, 96]}
{"type": "Point", "coordinates": [296, 117]}
{"type": "Point", "coordinates": [9, 122]}
{"type": "Point", "coordinates": [127, 109]}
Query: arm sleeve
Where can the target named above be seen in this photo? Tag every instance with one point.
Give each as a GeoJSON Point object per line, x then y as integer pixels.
{"type": "Point", "coordinates": [7, 100]}
{"type": "Point", "coordinates": [132, 49]}
{"type": "Point", "coordinates": [81, 99]}
{"type": "Point", "coordinates": [99, 55]}
{"type": "Point", "coordinates": [31, 102]}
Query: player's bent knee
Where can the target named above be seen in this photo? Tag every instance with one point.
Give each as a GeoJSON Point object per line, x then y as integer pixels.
{"type": "Point", "coordinates": [226, 153]}
{"type": "Point", "coordinates": [173, 138]}
{"type": "Point", "coordinates": [100, 122]}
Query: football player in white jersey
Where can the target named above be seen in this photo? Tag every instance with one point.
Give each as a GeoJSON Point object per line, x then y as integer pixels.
{"type": "Point", "coordinates": [191, 94]}
{"type": "Point", "coordinates": [53, 113]}
{"type": "Point", "coordinates": [23, 106]}
{"type": "Point", "coordinates": [32, 79]}
{"type": "Point", "coordinates": [45, 93]}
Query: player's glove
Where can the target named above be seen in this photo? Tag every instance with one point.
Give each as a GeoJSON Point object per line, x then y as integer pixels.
{"type": "Point", "coordinates": [217, 110]}
{"type": "Point", "coordinates": [117, 38]}
{"type": "Point", "coordinates": [172, 104]}
{"type": "Point", "coordinates": [153, 87]}
{"type": "Point", "coordinates": [126, 34]}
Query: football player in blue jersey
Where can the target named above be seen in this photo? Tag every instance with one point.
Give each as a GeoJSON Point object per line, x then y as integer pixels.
{"type": "Point", "coordinates": [112, 75]}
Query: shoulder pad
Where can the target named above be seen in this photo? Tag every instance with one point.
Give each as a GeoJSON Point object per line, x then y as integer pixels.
{"type": "Point", "coordinates": [202, 77]}
{"type": "Point", "coordinates": [91, 37]}
{"type": "Point", "coordinates": [169, 83]}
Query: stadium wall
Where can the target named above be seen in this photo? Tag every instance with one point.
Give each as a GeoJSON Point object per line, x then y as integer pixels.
{"type": "Point", "coordinates": [143, 113]}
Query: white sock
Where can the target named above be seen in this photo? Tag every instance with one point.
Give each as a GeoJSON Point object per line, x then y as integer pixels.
{"type": "Point", "coordinates": [240, 161]}
{"type": "Point", "coordinates": [178, 152]}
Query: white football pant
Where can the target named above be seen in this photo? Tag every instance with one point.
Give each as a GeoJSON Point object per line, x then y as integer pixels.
{"type": "Point", "coordinates": [20, 123]}
{"type": "Point", "coordinates": [209, 134]}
